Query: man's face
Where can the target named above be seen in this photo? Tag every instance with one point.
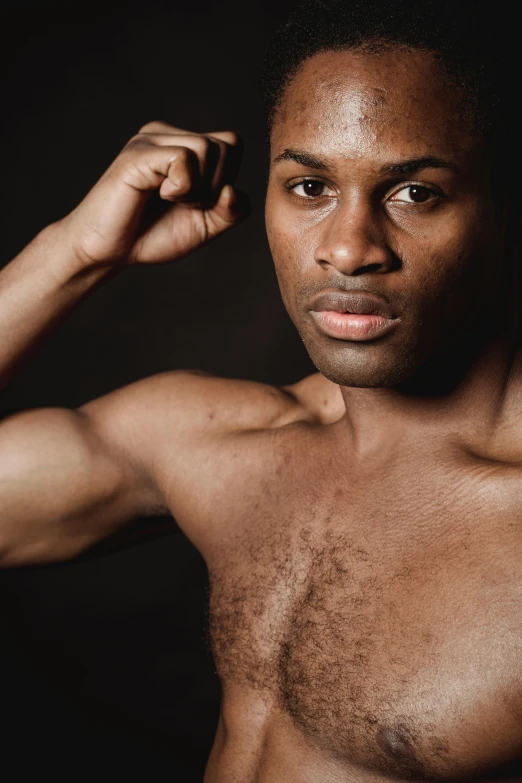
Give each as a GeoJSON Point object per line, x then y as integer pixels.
{"type": "Point", "coordinates": [378, 184]}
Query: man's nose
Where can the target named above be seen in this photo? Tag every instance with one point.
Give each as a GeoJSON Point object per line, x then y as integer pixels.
{"type": "Point", "coordinates": [353, 242]}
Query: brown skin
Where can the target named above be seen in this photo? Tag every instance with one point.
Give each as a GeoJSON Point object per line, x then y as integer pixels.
{"type": "Point", "coordinates": [361, 530]}
{"type": "Point", "coordinates": [361, 234]}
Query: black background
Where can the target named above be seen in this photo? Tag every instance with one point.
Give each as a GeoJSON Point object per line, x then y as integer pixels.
{"type": "Point", "coordinates": [103, 660]}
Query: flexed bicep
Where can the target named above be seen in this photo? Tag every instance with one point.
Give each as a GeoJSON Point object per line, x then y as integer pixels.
{"type": "Point", "coordinates": [62, 487]}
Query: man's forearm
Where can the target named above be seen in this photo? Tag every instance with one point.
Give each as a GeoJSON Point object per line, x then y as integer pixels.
{"type": "Point", "coordinates": [105, 232]}
{"type": "Point", "coordinates": [37, 290]}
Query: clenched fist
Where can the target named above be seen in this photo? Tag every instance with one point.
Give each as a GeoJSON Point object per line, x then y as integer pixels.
{"type": "Point", "coordinates": [123, 221]}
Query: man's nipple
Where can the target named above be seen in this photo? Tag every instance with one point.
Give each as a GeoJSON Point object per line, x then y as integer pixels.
{"type": "Point", "coordinates": [397, 745]}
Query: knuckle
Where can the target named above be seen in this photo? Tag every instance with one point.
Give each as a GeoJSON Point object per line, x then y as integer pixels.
{"type": "Point", "coordinates": [229, 138]}
{"type": "Point", "coordinates": [202, 145]}
{"type": "Point", "coordinates": [180, 169]}
{"type": "Point", "coordinates": [181, 162]}
{"type": "Point", "coordinates": [152, 127]}
{"type": "Point", "coordinates": [233, 138]}
{"type": "Point", "coordinates": [179, 156]}
{"type": "Point", "coordinates": [136, 141]}
{"type": "Point", "coordinates": [132, 155]}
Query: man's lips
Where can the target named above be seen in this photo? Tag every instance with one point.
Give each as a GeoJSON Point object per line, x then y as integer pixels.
{"type": "Point", "coordinates": [360, 302]}
{"type": "Point", "coordinates": [352, 315]}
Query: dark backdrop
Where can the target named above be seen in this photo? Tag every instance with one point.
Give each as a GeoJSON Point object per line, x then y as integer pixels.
{"type": "Point", "coordinates": [104, 667]}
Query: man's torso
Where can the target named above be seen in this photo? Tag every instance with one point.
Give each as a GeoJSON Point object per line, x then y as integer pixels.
{"type": "Point", "coordinates": [365, 612]}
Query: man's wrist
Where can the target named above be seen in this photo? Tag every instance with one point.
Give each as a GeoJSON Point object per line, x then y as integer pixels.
{"type": "Point", "coordinates": [60, 258]}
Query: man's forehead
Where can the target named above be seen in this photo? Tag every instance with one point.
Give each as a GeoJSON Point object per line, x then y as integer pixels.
{"type": "Point", "coordinates": [352, 103]}
{"type": "Point", "coordinates": [368, 80]}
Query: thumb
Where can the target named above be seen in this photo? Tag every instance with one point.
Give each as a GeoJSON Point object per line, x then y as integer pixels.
{"type": "Point", "coordinates": [232, 206]}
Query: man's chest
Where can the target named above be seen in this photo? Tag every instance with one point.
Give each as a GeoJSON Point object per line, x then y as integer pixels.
{"type": "Point", "coordinates": [386, 619]}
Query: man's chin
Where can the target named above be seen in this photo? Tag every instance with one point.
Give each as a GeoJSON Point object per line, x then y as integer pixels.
{"type": "Point", "coordinates": [362, 369]}
{"type": "Point", "coordinates": [363, 380]}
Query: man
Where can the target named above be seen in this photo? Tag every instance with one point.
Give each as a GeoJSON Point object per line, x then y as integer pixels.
{"type": "Point", "coordinates": [361, 528]}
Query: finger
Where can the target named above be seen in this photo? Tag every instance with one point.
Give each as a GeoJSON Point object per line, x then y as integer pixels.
{"type": "Point", "coordinates": [144, 168]}
{"type": "Point", "coordinates": [158, 126]}
{"type": "Point", "coordinates": [183, 180]}
{"type": "Point", "coordinates": [223, 160]}
{"type": "Point", "coordinates": [212, 156]}
{"type": "Point", "coordinates": [231, 207]}
{"type": "Point", "coordinates": [229, 137]}
{"type": "Point", "coordinates": [208, 151]}
{"type": "Point", "coordinates": [218, 163]}
{"type": "Point", "coordinates": [233, 154]}
{"type": "Point", "coordinates": [219, 154]}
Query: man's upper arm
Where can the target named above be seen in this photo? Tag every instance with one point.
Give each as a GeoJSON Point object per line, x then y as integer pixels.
{"type": "Point", "coordinates": [161, 445]}
{"type": "Point", "coordinates": [67, 480]}
{"type": "Point", "coordinates": [70, 478]}
{"type": "Point", "coordinates": [194, 437]}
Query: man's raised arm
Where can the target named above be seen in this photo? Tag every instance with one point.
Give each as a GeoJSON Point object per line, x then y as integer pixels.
{"type": "Point", "coordinates": [63, 483]}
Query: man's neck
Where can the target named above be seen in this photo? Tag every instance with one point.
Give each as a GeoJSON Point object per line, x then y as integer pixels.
{"type": "Point", "coordinates": [460, 395]}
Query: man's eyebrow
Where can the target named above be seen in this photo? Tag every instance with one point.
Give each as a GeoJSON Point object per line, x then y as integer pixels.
{"type": "Point", "coordinates": [401, 167]}
{"type": "Point", "coordinates": [304, 158]}
{"type": "Point", "coordinates": [416, 164]}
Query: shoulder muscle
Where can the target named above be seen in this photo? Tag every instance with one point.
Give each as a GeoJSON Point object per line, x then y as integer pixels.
{"type": "Point", "coordinates": [165, 425]}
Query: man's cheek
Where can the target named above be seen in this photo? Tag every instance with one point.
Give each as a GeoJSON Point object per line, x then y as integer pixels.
{"type": "Point", "coordinates": [431, 270]}
{"type": "Point", "coordinates": [286, 254]}
{"type": "Point", "coordinates": [289, 277]}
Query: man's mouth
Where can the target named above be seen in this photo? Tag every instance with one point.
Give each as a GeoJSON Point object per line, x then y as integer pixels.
{"type": "Point", "coordinates": [352, 315]}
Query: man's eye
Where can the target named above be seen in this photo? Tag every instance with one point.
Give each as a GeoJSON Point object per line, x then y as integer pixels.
{"type": "Point", "coordinates": [413, 194]}
{"type": "Point", "coordinates": [311, 188]}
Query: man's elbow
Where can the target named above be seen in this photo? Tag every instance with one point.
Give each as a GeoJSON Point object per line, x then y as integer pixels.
{"type": "Point", "coordinates": [44, 551]}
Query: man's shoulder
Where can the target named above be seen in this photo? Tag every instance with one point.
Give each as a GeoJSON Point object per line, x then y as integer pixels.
{"type": "Point", "coordinates": [195, 400]}
{"type": "Point", "coordinates": [251, 405]}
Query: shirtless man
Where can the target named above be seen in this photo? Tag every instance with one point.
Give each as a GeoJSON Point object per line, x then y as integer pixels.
{"type": "Point", "coordinates": [361, 528]}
